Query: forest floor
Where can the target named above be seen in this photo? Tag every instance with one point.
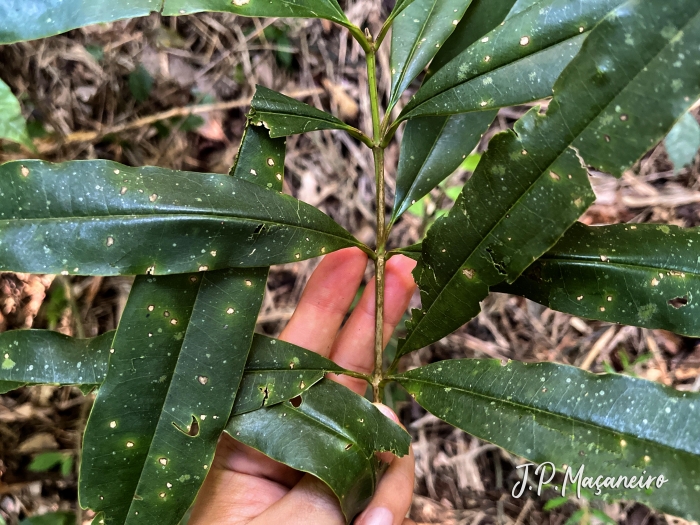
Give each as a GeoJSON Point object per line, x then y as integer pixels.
{"type": "Point", "coordinates": [173, 92]}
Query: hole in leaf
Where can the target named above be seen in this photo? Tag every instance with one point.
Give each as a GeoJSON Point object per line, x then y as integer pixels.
{"type": "Point", "coordinates": [266, 393]}
{"type": "Point", "coordinates": [296, 401]}
{"type": "Point", "coordinates": [192, 430]}
{"type": "Point", "coordinates": [679, 302]}
{"type": "Point", "coordinates": [348, 446]}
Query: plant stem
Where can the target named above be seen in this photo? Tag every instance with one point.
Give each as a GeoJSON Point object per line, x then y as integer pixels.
{"type": "Point", "coordinates": [378, 153]}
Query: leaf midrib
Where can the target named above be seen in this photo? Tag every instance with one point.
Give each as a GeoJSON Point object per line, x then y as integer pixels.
{"type": "Point", "coordinates": [542, 411]}
{"type": "Point", "coordinates": [596, 262]}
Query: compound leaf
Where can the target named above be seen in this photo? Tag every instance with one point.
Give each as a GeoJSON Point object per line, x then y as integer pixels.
{"type": "Point", "coordinates": [531, 183]}
{"type": "Point", "coordinates": [178, 358]}
{"type": "Point", "coordinates": [43, 357]}
{"type": "Point", "coordinates": [516, 62]}
{"type": "Point", "coordinates": [12, 124]}
{"type": "Point", "coordinates": [277, 371]}
{"type": "Point", "coordinates": [613, 425]}
{"type": "Point", "coordinates": [683, 142]}
{"type": "Point", "coordinates": [637, 274]}
{"type": "Point", "coordinates": [328, 9]}
{"type": "Point", "coordinates": [284, 116]}
{"type": "Point", "coordinates": [332, 426]}
{"type": "Point", "coordinates": [103, 218]}
{"type": "Point", "coordinates": [417, 35]}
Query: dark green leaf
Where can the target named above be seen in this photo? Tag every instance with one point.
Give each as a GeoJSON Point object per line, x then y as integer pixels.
{"type": "Point", "coordinates": [43, 357]}
{"type": "Point", "coordinates": [417, 35]}
{"type": "Point", "coordinates": [532, 185]}
{"type": "Point", "coordinates": [140, 84]}
{"type": "Point", "coordinates": [51, 518]}
{"type": "Point", "coordinates": [614, 425]}
{"type": "Point", "coordinates": [636, 274]}
{"type": "Point", "coordinates": [103, 218]}
{"type": "Point", "coordinates": [178, 359]}
{"type": "Point", "coordinates": [260, 159]}
{"type": "Point", "coordinates": [509, 213]}
{"type": "Point", "coordinates": [413, 251]}
{"type": "Point", "coordinates": [481, 17]}
{"type": "Point", "coordinates": [284, 116]}
{"type": "Point", "coordinates": [331, 427]}
{"type": "Point", "coordinates": [328, 9]}
{"type": "Point", "coordinates": [432, 148]}
{"type": "Point", "coordinates": [29, 19]}
{"type": "Point", "coordinates": [516, 62]}
{"type": "Point", "coordinates": [12, 124]}
{"type": "Point", "coordinates": [277, 371]}
{"type": "Point", "coordinates": [683, 142]}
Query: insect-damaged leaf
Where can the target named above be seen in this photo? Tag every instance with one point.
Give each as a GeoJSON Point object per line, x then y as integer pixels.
{"type": "Point", "coordinates": [328, 9]}
{"type": "Point", "coordinates": [43, 357]}
{"type": "Point", "coordinates": [12, 124]}
{"type": "Point", "coordinates": [636, 274]}
{"type": "Point", "coordinates": [29, 19]}
{"type": "Point", "coordinates": [332, 426]}
{"type": "Point", "coordinates": [178, 358]}
{"type": "Point", "coordinates": [532, 185]}
{"type": "Point", "coordinates": [260, 159]}
{"type": "Point", "coordinates": [516, 62]}
{"type": "Point", "coordinates": [277, 371]}
{"type": "Point", "coordinates": [285, 116]}
{"type": "Point", "coordinates": [103, 218]}
{"type": "Point", "coordinates": [614, 425]}
{"type": "Point", "coordinates": [417, 35]}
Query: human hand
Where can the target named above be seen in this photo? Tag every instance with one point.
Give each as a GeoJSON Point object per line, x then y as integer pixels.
{"type": "Point", "coordinates": [246, 487]}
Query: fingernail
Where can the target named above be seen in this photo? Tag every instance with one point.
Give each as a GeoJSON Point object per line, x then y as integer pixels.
{"type": "Point", "coordinates": [387, 412]}
{"type": "Point", "coordinates": [378, 516]}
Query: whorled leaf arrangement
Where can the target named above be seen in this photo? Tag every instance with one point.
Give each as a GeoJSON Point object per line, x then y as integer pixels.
{"type": "Point", "coordinates": [185, 365]}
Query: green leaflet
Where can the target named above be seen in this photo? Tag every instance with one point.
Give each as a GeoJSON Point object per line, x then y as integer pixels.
{"type": "Point", "coordinates": [328, 9]}
{"type": "Point", "coordinates": [12, 124]}
{"type": "Point", "coordinates": [277, 371]}
{"type": "Point", "coordinates": [540, 162]}
{"type": "Point", "coordinates": [517, 61]}
{"type": "Point", "coordinates": [43, 357]}
{"type": "Point", "coordinates": [614, 425]}
{"type": "Point", "coordinates": [260, 159]}
{"type": "Point", "coordinates": [432, 148]}
{"type": "Point", "coordinates": [683, 142]}
{"type": "Point", "coordinates": [637, 274]}
{"type": "Point", "coordinates": [103, 218]}
{"type": "Point", "coordinates": [325, 435]}
{"type": "Point", "coordinates": [30, 19]}
{"type": "Point", "coordinates": [284, 116]}
{"type": "Point", "coordinates": [417, 35]}
{"type": "Point", "coordinates": [178, 358]}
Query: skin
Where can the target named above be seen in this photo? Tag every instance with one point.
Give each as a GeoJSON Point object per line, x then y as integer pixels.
{"type": "Point", "coordinates": [246, 487]}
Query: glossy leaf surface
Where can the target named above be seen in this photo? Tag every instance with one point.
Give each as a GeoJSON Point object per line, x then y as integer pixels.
{"type": "Point", "coordinates": [614, 425]}
{"type": "Point", "coordinates": [178, 358]}
{"type": "Point", "coordinates": [518, 60]}
{"type": "Point", "coordinates": [12, 124]}
{"type": "Point", "coordinates": [103, 218]}
{"type": "Point", "coordinates": [417, 35]}
{"type": "Point", "coordinates": [432, 148]}
{"type": "Point", "coordinates": [43, 357]}
{"type": "Point", "coordinates": [260, 159]}
{"type": "Point", "coordinates": [636, 274]}
{"type": "Point", "coordinates": [328, 9]}
{"type": "Point", "coordinates": [285, 116]}
{"type": "Point", "coordinates": [683, 141]}
{"type": "Point", "coordinates": [542, 162]}
{"type": "Point", "coordinates": [277, 371]}
{"type": "Point", "coordinates": [331, 427]}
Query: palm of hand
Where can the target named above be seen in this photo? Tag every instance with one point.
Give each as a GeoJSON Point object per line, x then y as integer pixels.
{"type": "Point", "coordinates": [246, 487]}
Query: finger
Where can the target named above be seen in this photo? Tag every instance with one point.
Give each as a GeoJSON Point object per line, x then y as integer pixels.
{"type": "Point", "coordinates": [354, 346]}
{"type": "Point", "coordinates": [326, 300]}
{"type": "Point", "coordinates": [310, 501]}
{"type": "Point", "coordinates": [393, 497]}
